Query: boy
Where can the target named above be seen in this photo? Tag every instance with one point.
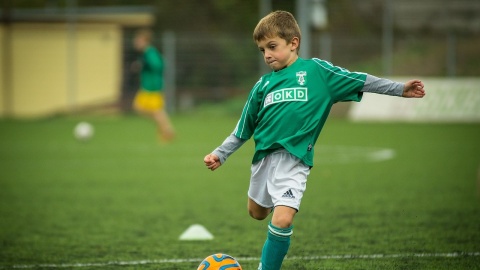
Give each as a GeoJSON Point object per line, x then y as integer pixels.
{"type": "Point", "coordinates": [285, 112]}
{"type": "Point", "coordinates": [149, 99]}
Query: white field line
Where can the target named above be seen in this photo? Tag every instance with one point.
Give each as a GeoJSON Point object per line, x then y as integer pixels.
{"type": "Point", "coordinates": [240, 259]}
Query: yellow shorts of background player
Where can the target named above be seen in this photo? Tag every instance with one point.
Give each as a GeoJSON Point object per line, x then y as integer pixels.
{"type": "Point", "coordinates": [148, 101]}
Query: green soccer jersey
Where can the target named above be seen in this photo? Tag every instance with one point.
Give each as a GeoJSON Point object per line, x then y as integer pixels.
{"type": "Point", "coordinates": [151, 76]}
{"type": "Point", "coordinates": [288, 108]}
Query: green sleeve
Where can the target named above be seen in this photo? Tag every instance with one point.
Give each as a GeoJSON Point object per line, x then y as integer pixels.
{"type": "Point", "coordinates": [248, 120]}
{"type": "Point", "coordinates": [342, 84]}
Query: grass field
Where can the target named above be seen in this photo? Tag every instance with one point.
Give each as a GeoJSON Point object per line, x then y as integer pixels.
{"type": "Point", "coordinates": [122, 200]}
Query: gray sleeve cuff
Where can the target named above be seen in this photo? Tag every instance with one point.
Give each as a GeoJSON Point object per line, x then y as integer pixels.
{"type": "Point", "coordinates": [230, 145]}
{"type": "Point", "coordinates": [382, 86]}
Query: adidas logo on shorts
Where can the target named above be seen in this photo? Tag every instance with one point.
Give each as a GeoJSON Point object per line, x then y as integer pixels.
{"type": "Point", "coordinates": [288, 194]}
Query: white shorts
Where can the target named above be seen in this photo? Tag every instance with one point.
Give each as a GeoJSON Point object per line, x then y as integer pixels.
{"type": "Point", "coordinates": [278, 179]}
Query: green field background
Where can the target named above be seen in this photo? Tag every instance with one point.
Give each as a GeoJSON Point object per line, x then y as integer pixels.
{"type": "Point", "coordinates": [123, 196]}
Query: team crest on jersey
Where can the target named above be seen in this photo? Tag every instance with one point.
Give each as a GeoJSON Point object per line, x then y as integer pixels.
{"type": "Point", "coordinates": [302, 77]}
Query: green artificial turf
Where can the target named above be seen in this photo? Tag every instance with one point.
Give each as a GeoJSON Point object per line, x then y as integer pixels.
{"type": "Point", "coordinates": [123, 198]}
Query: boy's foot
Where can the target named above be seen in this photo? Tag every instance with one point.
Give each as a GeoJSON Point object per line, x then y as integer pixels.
{"type": "Point", "coordinates": [166, 137]}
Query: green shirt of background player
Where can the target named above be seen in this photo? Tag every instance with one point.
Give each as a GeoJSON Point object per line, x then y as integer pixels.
{"type": "Point", "coordinates": [151, 78]}
{"type": "Point", "coordinates": [149, 99]}
{"type": "Point", "coordinates": [285, 113]}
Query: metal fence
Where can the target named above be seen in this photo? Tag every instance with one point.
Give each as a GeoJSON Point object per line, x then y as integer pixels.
{"type": "Point", "coordinates": [210, 68]}
{"type": "Point", "coordinates": [434, 38]}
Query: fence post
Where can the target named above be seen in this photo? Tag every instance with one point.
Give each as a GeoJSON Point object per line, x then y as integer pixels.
{"type": "Point", "coordinates": [71, 54]}
{"type": "Point", "coordinates": [303, 15]}
{"type": "Point", "coordinates": [387, 37]}
{"type": "Point", "coordinates": [451, 60]}
{"type": "Point", "coordinates": [169, 52]}
{"type": "Point", "coordinates": [265, 8]}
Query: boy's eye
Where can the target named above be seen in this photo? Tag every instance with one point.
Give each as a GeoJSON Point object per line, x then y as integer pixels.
{"type": "Point", "coordinates": [271, 47]}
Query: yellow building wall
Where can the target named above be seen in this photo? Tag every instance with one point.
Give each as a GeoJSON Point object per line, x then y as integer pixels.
{"type": "Point", "coordinates": [99, 64]}
{"type": "Point", "coordinates": [2, 71]}
{"type": "Point", "coordinates": [38, 69]}
{"type": "Point", "coordinates": [42, 80]}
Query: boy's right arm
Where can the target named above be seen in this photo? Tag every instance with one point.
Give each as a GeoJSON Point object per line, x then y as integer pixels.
{"type": "Point", "coordinates": [243, 131]}
{"type": "Point", "coordinates": [221, 153]}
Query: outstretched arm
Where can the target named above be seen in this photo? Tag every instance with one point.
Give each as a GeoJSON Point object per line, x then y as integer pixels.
{"type": "Point", "coordinates": [413, 89]}
{"type": "Point", "coordinates": [410, 89]}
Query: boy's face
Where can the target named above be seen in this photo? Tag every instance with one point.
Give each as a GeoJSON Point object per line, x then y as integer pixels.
{"type": "Point", "coordinates": [140, 42]}
{"type": "Point", "coordinates": [277, 53]}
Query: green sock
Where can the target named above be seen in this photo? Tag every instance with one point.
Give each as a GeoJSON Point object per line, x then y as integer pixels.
{"type": "Point", "coordinates": [275, 247]}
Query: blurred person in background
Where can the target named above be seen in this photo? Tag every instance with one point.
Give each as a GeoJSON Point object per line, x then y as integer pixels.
{"type": "Point", "coordinates": [149, 100]}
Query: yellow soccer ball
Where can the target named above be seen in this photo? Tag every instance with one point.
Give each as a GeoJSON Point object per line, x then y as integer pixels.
{"type": "Point", "coordinates": [219, 261]}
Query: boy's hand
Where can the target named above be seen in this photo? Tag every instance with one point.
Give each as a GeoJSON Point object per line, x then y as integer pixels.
{"type": "Point", "coordinates": [212, 162]}
{"type": "Point", "coordinates": [413, 89]}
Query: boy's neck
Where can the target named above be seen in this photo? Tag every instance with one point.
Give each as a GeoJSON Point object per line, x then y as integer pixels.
{"type": "Point", "coordinates": [295, 58]}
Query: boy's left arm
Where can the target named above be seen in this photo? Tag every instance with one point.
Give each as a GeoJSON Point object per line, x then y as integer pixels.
{"type": "Point", "coordinates": [413, 89]}
{"type": "Point", "coordinates": [410, 89]}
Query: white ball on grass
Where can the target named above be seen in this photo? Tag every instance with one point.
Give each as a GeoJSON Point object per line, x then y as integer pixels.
{"type": "Point", "coordinates": [83, 131]}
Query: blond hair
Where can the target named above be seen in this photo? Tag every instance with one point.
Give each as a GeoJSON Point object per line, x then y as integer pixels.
{"type": "Point", "coordinates": [280, 24]}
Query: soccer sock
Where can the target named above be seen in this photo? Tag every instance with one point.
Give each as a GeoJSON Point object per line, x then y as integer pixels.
{"type": "Point", "coordinates": [275, 247]}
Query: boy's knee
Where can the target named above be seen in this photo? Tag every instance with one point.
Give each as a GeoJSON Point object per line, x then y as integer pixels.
{"type": "Point", "coordinates": [258, 215]}
{"type": "Point", "coordinates": [283, 221]}
{"type": "Point", "coordinates": [283, 216]}
{"type": "Point", "coordinates": [257, 211]}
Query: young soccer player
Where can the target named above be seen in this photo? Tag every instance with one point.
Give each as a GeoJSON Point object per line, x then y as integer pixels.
{"type": "Point", "coordinates": [285, 112]}
{"type": "Point", "coordinates": [149, 99]}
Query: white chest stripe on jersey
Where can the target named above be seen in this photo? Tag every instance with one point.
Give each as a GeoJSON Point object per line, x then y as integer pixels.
{"type": "Point", "coordinates": [245, 109]}
{"type": "Point", "coordinates": [265, 85]}
{"type": "Point", "coordinates": [330, 68]}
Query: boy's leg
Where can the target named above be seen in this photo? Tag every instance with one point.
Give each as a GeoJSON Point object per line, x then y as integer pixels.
{"type": "Point", "coordinates": [283, 216]}
{"type": "Point", "coordinates": [257, 211]}
{"type": "Point", "coordinates": [164, 125]}
{"type": "Point", "coordinates": [278, 238]}
{"type": "Point", "coordinates": [278, 179]}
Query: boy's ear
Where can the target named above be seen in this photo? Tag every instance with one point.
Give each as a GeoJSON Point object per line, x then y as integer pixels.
{"type": "Point", "coordinates": [294, 43]}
